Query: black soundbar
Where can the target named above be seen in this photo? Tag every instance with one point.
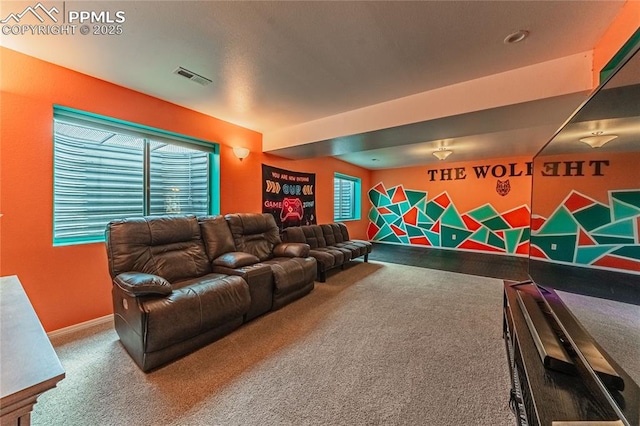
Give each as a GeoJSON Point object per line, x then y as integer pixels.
{"type": "Point", "coordinates": [550, 339]}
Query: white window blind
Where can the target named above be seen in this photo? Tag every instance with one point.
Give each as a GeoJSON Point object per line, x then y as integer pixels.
{"type": "Point", "coordinates": [102, 173]}
{"type": "Point", "coordinates": [344, 197]}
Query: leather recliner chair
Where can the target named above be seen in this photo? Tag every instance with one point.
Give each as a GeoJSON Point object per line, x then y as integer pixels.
{"type": "Point", "coordinates": [293, 270]}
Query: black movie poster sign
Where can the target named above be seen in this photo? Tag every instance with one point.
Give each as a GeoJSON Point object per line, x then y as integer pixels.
{"type": "Point", "coordinates": [289, 196]}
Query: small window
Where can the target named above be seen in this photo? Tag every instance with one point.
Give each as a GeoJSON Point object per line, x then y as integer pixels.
{"type": "Point", "coordinates": [105, 169]}
{"type": "Point", "coordinates": [346, 197]}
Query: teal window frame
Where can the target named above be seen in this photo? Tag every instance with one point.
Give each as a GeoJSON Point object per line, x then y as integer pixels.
{"type": "Point", "coordinates": [150, 135]}
{"type": "Point", "coordinates": [355, 202]}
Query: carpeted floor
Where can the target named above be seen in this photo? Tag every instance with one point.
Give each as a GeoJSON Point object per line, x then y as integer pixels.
{"type": "Point", "coordinates": [377, 344]}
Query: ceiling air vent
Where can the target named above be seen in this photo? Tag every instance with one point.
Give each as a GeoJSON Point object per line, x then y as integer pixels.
{"type": "Point", "coordinates": [192, 76]}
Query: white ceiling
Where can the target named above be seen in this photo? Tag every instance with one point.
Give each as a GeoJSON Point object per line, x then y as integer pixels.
{"type": "Point", "coordinates": [280, 64]}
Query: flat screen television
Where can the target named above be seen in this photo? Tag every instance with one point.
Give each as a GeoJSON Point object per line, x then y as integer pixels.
{"type": "Point", "coordinates": [585, 220]}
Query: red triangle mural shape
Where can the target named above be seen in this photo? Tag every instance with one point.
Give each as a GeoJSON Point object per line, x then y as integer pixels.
{"type": "Point", "coordinates": [536, 252]}
{"type": "Point", "coordinates": [537, 223]}
{"type": "Point", "coordinates": [384, 210]}
{"type": "Point", "coordinates": [372, 230]}
{"type": "Point", "coordinates": [399, 196]}
{"type": "Point", "coordinates": [436, 227]}
{"type": "Point", "coordinates": [618, 263]}
{"type": "Point", "coordinates": [422, 241]}
{"type": "Point", "coordinates": [523, 248]}
{"type": "Point", "coordinates": [518, 218]}
{"type": "Point", "coordinates": [474, 245]}
{"type": "Point", "coordinates": [585, 240]}
{"type": "Point", "coordinates": [411, 217]}
{"type": "Point", "coordinates": [397, 230]}
{"type": "Point", "coordinates": [576, 202]}
{"type": "Point", "coordinates": [470, 223]}
{"type": "Point", "coordinates": [380, 188]}
{"type": "Point", "coordinates": [443, 200]}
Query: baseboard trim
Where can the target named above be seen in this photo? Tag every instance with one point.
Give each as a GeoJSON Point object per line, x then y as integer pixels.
{"type": "Point", "coordinates": [82, 326]}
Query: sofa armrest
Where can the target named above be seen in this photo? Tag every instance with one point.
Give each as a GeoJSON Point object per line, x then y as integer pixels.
{"type": "Point", "coordinates": [291, 250]}
{"type": "Point", "coordinates": [141, 284]}
{"type": "Point", "coordinates": [235, 259]}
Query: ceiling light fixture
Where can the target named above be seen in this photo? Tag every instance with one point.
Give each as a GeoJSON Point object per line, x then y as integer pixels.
{"type": "Point", "coordinates": [516, 37]}
{"type": "Point", "coordinates": [240, 152]}
{"type": "Point", "coordinates": [442, 153]}
{"type": "Point", "coordinates": [598, 139]}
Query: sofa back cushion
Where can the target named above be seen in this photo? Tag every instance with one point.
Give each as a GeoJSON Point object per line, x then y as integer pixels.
{"type": "Point", "coordinates": [344, 231]}
{"type": "Point", "coordinates": [168, 246]}
{"type": "Point", "coordinates": [313, 235]}
{"type": "Point", "coordinates": [254, 233]}
{"type": "Point", "coordinates": [332, 234]}
{"type": "Point", "coordinates": [217, 236]}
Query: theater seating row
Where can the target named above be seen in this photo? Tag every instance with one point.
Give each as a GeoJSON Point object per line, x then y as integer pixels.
{"type": "Point", "coordinates": [330, 245]}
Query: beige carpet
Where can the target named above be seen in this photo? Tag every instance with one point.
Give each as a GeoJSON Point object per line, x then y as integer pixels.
{"type": "Point", "coordinates": [377, 344]}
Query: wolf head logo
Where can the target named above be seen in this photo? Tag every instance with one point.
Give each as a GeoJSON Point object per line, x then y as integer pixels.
{"type": "Point", "coordinates": [503, 188]}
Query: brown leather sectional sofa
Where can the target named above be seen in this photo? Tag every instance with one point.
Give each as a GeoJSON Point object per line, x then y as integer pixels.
{"type": "Point", "coordinates": [181, 282]}
{"type": "Point", "coordinates": [330, 245]}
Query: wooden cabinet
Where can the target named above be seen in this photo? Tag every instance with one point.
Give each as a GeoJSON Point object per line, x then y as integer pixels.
{"type": "Point", "coordinates": [547, 396]}
{"type": "Point", "coordinates": [28, 364]}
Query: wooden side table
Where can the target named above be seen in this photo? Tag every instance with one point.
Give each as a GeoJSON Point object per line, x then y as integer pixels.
{"type": "Point", "coordinates": [28, 364]}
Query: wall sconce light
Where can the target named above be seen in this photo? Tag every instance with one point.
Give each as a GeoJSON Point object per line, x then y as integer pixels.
{"type": "Point", "coordinates": [442, 153]}
{"type": "Point", "coordinates": [240, 152]}
{"type": "Point", "coordinates": [598, 139]}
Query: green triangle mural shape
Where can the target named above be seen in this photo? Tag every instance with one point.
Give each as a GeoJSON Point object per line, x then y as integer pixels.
{"type": "Point", "coordinates": [452, 237]}
{"type": "Point", "coordinates": [394, 208]}
{"type": "Point", "coordinates": [632, 252]}
{"type": "Point", "coordinates": [433, 238]}
{"type": "Point", "coordinates": [383, 232]}
{"type": "Point", "coordinates": [561, 222]}
{"type": "Point", "coordinates": [422, 205]}
{"type": "Point", "coordinates": [450, 217]}
{"type": "Point", "coordinates": [373, 215]}
{"type": "Point", "coordinates": [415, 196]}
{"type": "Point", "coordinates": [526, 235]}
{"type": "Point", "coordinates": [628, 197]}
{"type": "Point", "coordinates": [413, 231]}
{"type": "Point", "coordinates": [390, 217]}
{"type": "Point", "coordinates": [392, 238]}
{"type": "Point", "coordinates": [512, 239]}
{"type": "Point", "coordinates": [423, 218]}
{"type": "Point", "coordinates": [384, 201]}
{"type": "Point", "coordinates": [556, 247]}
{"type": "Point", "coordinates": [480, 235]}
{"type": "Point", "coordinates": [586, 255]}
{"type": "Point", "coordinates": [380, 222]}
{"type": "Point", "coordinates": [404, 206]}
{"type": "Point", "coordinates": [391, 192]}
{"type": "Point", "coordinates": [496, 224]}
{"type": "Point", "coordinates": [400, 224]}
{"type": "Point", "coordinates": [495, 241]}
{"type": "Point", "coordinates": [404, 239]}
{"type": "Point", "coordinates": [623, 211]}
{"type": "Point", "coordinates": [483, 213]}
{"type": "Point", "coordinates": [623, 228]}
{"type": "Point", "coordinates": [593, 217]}
{"type": "Point", "coordinates": [374, 196]}
{"type": "Point", "coordinates": [434, 210]}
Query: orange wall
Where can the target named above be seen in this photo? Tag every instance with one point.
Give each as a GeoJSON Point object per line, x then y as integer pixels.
{"type": "Point", "coordinates": [550, 191]}
{"type": "Point", "coordinates": [623, 27]}
{"type": "Point", "coordinates": [68, 285]}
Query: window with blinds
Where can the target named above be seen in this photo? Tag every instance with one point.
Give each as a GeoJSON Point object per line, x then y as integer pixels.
{"type": "Point", "coordinates": [105, 170]}
{"type": "Point", "coordinates": [346, 197]}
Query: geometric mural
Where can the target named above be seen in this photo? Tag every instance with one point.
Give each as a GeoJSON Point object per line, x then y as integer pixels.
{"type": "Point", "coordinates": [584, 231]}
{"type": "Point", "coordinates": [405, 216]}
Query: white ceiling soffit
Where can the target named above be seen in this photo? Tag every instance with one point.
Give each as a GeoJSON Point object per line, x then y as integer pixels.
{"type": "Point", "coordinates": [275, 65]}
